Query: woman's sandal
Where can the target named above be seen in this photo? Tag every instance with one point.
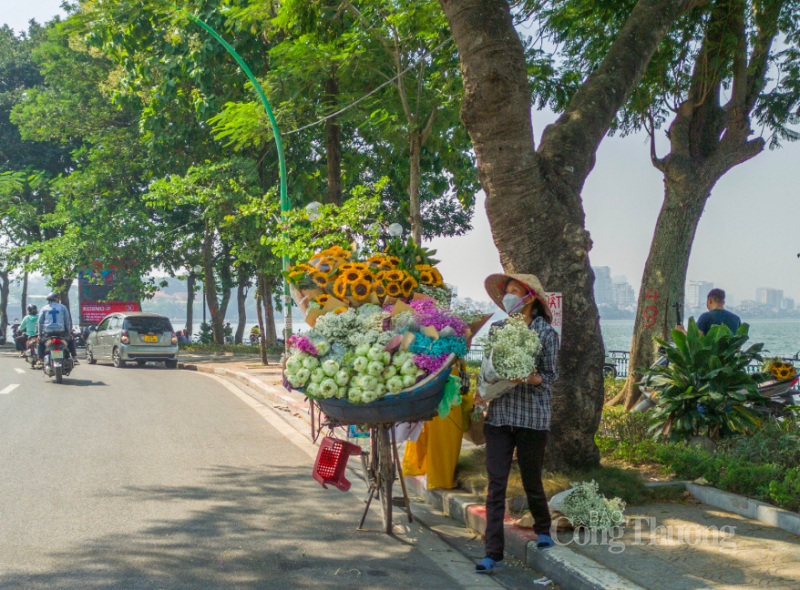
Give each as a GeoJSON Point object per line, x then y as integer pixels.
{"type": "Point", "coordinates": [544, 541]}
{"type": "Point", "coordinates": [487, 565]}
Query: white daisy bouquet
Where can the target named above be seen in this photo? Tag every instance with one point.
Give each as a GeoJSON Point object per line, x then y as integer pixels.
{"type": "Point", "coordinates": [512, 348]}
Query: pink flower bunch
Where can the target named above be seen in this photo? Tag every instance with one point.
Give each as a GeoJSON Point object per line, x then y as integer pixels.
{"type": "Point", "coordinates": [430, 364]}
{"type": "Point", "coordinates": [426, 313]}
{"type": "Point", "coordinates": [303, 344]}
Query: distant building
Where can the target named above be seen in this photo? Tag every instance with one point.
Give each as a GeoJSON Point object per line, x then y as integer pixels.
{"type": "Point", "coordinates": [787, 304]}
{"type": "Point", "coordinates": [624, 294]}
{"type": "Point", "coordinates": [603, 287]}
{"type": "Point", "coordinates": [769, 297]}
{"type": "Point", "coordinates": [697, 293]}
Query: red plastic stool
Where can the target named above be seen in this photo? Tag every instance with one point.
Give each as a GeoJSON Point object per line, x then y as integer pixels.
{"type": "Point", "coordinates": [332, 460]}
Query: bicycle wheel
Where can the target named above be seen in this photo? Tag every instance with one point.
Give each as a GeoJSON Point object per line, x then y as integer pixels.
{"type": "Point", "coordinates": [385, 476]}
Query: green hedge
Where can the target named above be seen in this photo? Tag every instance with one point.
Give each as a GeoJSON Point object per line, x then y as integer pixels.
{"type": "Point", "coordinates": [764, 466]}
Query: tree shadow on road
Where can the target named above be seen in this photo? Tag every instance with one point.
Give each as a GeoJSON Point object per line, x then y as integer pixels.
{"type": "Point", "coordinates": [272, 527]}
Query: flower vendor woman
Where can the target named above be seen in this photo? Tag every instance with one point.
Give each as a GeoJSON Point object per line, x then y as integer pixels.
{"type": "Point", "coordinates": [520, 418]}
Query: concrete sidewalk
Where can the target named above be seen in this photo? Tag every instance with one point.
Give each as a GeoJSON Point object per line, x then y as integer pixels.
{"type": "Point", "coordinates": [682, 546]}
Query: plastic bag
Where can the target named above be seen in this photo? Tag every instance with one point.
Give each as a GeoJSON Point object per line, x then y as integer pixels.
{"type": "Point", "coordinates": [490, 384]}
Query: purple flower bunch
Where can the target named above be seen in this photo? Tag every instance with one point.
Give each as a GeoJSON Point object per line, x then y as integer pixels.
{"type": "Point", "coordinates": [430, 364]}
{"type": "Point", "coordinates": [303, 344]}
{"type": "Point", "coordinates": [427, 313]}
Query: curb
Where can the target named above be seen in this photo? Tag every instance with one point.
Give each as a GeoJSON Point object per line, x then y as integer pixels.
{"type": "Point", "coordinates": [565, 567]}
{"type": "Point", "coordinates": [274, 394]}
{"type": "Point", "coordinates": [771, 515]}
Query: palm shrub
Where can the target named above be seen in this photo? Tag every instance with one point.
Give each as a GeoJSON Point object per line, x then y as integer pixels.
{"type": "Point", "coordinates": [705, 389]}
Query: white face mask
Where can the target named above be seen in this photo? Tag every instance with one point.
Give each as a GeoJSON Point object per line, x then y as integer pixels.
{"type": "Point", "coordinates": [512, 302]}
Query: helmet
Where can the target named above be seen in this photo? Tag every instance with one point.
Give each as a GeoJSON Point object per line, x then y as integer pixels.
{"type": "Point", "coordinates": [53, 296]}
{"type": "Point", "coordinates": [33, 310]}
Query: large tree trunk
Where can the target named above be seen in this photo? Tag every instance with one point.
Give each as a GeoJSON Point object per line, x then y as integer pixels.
{"type": "Point", "coordinates": [217, 318]}
{"type": "Point", "coordinates": [62, 287]}
{"type": "Point", "coordinates": [190, 280]}
{"type": "Point", "coordinates": [706, 140]}
{"type": "Point", "coordinates": [270, 336]}
{"type": "Point", "coordinates": [414, 149]}
{"type": "Point", "coordinates": [665, 272]}
{"type": "Point", "coordinates": [333, 143]}
{"type": "Point", "coordinates": [4, 289]}
{"type": "Point", "coordinates": [261, 342]}
{"type": "Point", "coordinates": [533, 198]}
{"type": "Point", "coordinates": [241, 300]}
{"type": "Point", "coordinates": [24, 297]}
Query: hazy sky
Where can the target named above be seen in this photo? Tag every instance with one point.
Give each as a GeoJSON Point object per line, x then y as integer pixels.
{"type": "Point", "coordinates": [748, 237]}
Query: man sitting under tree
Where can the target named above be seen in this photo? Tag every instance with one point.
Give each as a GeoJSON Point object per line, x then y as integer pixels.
{"type": "Point", "coordinates": [716, 315]}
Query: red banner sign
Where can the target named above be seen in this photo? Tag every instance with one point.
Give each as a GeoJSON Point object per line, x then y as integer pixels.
{"type": "Point", "coordinates": [93, 313]}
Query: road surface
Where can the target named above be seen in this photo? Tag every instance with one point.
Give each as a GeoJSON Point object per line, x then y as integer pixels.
{"type": "Point", "coordinates": [146, 478]}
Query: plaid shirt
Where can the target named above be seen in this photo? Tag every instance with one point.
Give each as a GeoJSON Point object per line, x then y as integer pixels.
{"type": "Point", "coordinates": [530, 406]}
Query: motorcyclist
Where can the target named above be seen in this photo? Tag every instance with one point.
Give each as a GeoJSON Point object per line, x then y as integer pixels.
{"type": "Point", "coordinates": [27, 329]}
{"type": "Point", "coordinates": [15, 333]}
{"type": "Point", "coordinates": [255, 334]}
{"type": "Point", "coordinates": [54, 320]}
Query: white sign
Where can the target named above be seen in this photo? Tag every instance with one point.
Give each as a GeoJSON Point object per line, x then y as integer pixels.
{"type": "Point", "coordinates": [555, 303]}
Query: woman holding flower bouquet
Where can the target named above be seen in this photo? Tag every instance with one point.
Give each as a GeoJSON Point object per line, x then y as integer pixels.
{"type": "Point", "coordinates": [519, 418]}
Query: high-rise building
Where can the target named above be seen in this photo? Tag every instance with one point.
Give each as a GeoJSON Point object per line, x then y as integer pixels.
{"type": "Point", "coordinates": [787, 304]}
{"type": "Point", "coordinates": [697, 293]}
{"type": "Point", "coordinates": [623, 294]}
{"type": "Point", "coordinates": [603, 287]}
{"type": "Point", "coordinates": [769, 297]}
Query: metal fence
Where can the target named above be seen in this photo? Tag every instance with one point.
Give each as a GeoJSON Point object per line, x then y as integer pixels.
{"type": "Point", "coordinates": [621, 358]}
{"type": "Point", "coordinates": [475, 353]}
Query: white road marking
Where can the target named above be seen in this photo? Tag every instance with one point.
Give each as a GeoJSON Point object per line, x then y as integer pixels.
{"type": "Point", "coordinates": [20, 371]}
{"type": "Point", "coordinates": [9, 389]}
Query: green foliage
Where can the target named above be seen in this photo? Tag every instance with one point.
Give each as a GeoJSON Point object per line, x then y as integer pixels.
{"type": "Point", "coordinates": [706, 386]}
{"type": "Point", "coordinates": [786, 493]}
{"type": "Point", "coordinates": [205, 335]}
{"type": "Point", "coordinates": [611, 387]}
{"type": "Point", "coordinates": [621, 425]}
{"type": "Point", "coordinates": [358, 221]}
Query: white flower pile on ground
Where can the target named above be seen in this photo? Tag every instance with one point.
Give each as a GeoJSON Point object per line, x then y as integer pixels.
{"type": "Point", "coordinates": [586, 507]}
{"type": "Point", "coordinates": [513, 347]}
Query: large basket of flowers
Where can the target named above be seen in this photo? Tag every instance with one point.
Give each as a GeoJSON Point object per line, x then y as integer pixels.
{"type": "Point", "coordinates": [384, 335]}
{"type": "Point", "coordinates": [415, 403]}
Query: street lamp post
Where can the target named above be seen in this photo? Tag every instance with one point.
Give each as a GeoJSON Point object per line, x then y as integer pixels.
{"type": "Point", "coordinates": [285, 205]}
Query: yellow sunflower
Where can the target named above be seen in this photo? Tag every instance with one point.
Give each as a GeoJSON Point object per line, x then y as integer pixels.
{"type": "Point", "coordinates": [368, 277]}
{"type": "Point", "coordinates": [296, 274]}
{"type": "Point", "coordinates": [394, 289]}
{"type": "Point", "coordinates": [380, 290]}
{"type": "Point", "coordinates": [350, 276]}
{"type": "Point", "coordinates": [360, 289]}
{"type": "Point", "coordinates": [437, 278]}
{"type": "Point", "coordinates": [346, 266]}
{"type": "Point", "coordinates": [339, 310]}
{"type": "Point", "coordinates": [394, 276]}
{"type": "Point", "coordinates": [326, 264]}
{"type": "Point", "coordinates": [426, 277]}
{"type": "Point", "coordinates": [408, 285]}
{"type": "Point", "coordinates": [393, 260]}
{"type": "Point", "coordinates": [322, 299]}
{"type": "Point", "coordinates": [320, 279]}
{"type": "Point", "coordinates": [376, 259]}
{"type": "Point", "coordinates": [340, 288]}
{"type": "Point", "coordinates": [360, 266]}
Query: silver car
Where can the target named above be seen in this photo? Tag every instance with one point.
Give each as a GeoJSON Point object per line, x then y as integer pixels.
{"type": "Point", "coordinates": [133, 336]}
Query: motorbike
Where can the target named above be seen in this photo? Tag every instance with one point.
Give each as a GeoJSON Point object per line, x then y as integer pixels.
{"type": "Point", "coordinates": [80, 340]}
{"type": "Point", "coordinates": [32, 351]}
{"type": "Point", "coordinates": [57, 361]}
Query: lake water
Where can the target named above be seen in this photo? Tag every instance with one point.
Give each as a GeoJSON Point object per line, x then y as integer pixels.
{"type": "Point", "coordinates": [781, 337]}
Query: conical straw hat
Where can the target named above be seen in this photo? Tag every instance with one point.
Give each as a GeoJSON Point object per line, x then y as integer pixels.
{"type": "Point", "coordinates": [496, 288]}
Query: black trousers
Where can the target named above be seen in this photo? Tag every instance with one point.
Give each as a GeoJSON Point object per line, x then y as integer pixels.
{"type": "Point", "coordinates": [500, 444]}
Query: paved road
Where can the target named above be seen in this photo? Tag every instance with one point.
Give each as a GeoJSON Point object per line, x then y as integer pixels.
{"type": "Point", "coordinates": [146, 478]}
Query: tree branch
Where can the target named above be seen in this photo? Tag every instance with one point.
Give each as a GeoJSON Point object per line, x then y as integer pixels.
{"type": "Point", "coordinates": [570, 144]}
{"type": "Point", "coordinates": [428, 126]}
{"type": "Point", "coordinates": [767, 13]}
